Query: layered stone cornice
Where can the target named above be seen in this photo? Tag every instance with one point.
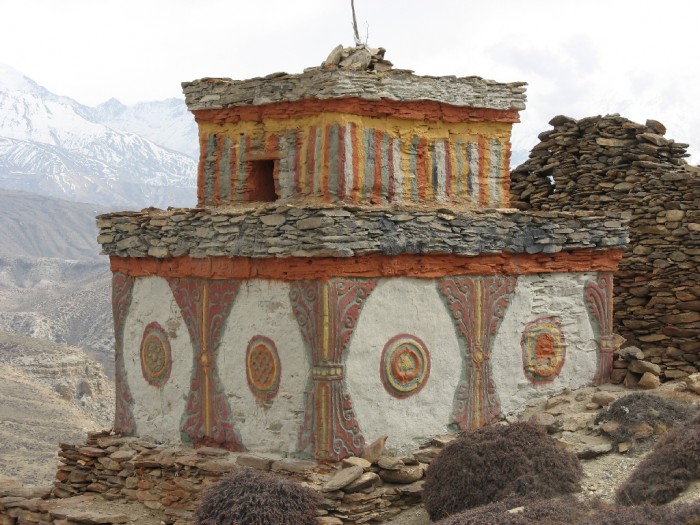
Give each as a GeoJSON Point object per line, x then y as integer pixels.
{"type": "Point", "coordinates": [269, 231]}
{"type": "Point", "coordinates": [325, 84]}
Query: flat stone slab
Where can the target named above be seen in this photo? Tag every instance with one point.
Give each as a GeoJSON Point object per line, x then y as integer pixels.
{"type": "Point", "coordinates": [343, 478]}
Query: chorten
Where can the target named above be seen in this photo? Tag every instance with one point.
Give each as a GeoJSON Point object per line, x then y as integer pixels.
{"type": "Point", "coordinates": [352, 269]}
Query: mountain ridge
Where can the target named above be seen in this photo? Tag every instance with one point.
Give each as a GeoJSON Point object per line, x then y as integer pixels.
{"type": "Point", "coordinates": [55, 146]}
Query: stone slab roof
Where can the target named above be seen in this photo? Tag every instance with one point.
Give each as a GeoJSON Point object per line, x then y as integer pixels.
{"type": "Point", "coordinates": [324, 83]}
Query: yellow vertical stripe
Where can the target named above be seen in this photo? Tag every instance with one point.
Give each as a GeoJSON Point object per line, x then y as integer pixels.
{"type": "Point", "coordinates": [326, 322]}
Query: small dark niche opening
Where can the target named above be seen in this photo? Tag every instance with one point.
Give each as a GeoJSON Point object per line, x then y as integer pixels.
{"type": "Point", "coordinates": [261, 181]}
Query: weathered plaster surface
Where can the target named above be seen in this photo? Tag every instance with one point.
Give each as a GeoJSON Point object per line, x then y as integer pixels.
{"type": "Point", "coordinates": [411, 306]}
{"type": "Point", "coordinates": [396, 306]}
{"type": "Point", "coordinates": [263, 308]}
{"type": "Point", "coordinates": [544, 295]}
{"type": "Point", "coordinates": [157, 411]}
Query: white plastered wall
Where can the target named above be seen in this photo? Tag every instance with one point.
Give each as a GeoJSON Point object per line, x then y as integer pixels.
{"type": "Point", "coordinates": [559, 295]}
{"type": "Point", "coordinates": [157, 410]}
{"type": "Point", "coordinates": [410, 306]}
{"type": "Point", "coordinates": [264, 308]}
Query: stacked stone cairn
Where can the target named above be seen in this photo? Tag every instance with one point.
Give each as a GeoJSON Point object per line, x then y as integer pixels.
{"type": "Point", "coordinates": [613, 164]}
{"type": "Point", "coordinates": [358, 58]}
{"type": "Point", "coordinates": [633, 370]}
{"type": "Point", "coordinates": [170, 480]}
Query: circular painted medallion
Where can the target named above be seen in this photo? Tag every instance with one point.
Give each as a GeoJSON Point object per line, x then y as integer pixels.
{"type": "Point", "coordinates": [263, 368]}
{"type": "Point", "coordinates": [404, 365]}
{"type": "Point", "coordinates": [156, 358]}
{"type": "Point", "coordinates": [544, 350]}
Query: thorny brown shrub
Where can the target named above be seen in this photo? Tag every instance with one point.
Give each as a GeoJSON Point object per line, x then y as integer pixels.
{"type": "Point", "coordinates": [667, 470]}
{"type": "Point", "coordinates": [498, 462]}
{"type": "Point", "coordinates": [251, 497]}
{"type": "Point", "coordinates": [637, 408]}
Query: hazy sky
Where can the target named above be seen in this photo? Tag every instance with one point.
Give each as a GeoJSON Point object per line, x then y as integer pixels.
{"type": "Point", "coordinates": [639, 58]}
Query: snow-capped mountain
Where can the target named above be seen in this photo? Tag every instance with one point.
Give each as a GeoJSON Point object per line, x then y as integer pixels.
{"type": "Point", "coordinates": [165, 122]}
{"type": "Point", "coordinates": [55, 146]}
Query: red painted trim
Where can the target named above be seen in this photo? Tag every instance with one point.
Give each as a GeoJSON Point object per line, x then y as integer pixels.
{"type": "Point", "coordinates": [390, 159]}
{"type": "Point", "coordinates": [355, 165]}
{"type": "Point", "coordinates": [326, 166]}
{"type": "Point", "coordinates": [368, 266]}
{"type": "Point", "coordinates": [200, 169]}
{"type": "Point", "coordinates": [409, 110]}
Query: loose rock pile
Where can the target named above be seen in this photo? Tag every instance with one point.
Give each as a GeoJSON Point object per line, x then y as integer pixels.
{"type": "Point", "coordinates": [611, 163]}
{"type": "Point", "coordinates": [171, 480]}
{"type": "Point", "coordinates": [633, 370]}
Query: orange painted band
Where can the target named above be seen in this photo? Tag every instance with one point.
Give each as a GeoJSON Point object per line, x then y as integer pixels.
{"type": "Point", "coordinates": [409, 110]}
{"type": "Point", "coordinates": [407, 265]}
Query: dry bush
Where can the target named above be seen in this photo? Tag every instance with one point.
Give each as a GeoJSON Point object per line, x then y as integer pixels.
{"type": "Point", "coordinates": [498, 462]}
{"type": "Point", "coordinates": [250, 497]}
{"type": "Point", "coordinates": [557, 511]}
{"type": "Point", "coordinates": [679, 514]}
{"type": "Point", "coordinates": [638, 408]}
{"type": "Point", "coordinates": [667, 470]}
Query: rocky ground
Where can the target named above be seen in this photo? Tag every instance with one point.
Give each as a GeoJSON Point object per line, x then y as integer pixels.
{"type": "Point", "coordinates": [573, 425]}
{"type": "Point", "coordinates": [569, 416]}
{"type": "Point", "coordinates": [48, 393]}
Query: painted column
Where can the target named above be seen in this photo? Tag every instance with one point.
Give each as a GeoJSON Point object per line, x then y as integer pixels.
{"type": "Point", "coordinates": [477, 305]}
{"type": "Point", "coordinates": [205, 305]}
{"type": "Point", "coordinates": [599, 300]}
{"type": "Point", "coordinates": [327, 313]}
{"type": "Point", "coordinates": [122, 286]}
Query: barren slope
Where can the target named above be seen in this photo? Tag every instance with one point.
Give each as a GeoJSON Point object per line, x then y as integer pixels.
{"type": "Point", "coordinates": [48, 393]}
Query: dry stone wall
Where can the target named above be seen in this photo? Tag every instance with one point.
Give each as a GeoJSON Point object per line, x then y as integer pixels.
{"type": "Point", "coordinates": [613, 164]}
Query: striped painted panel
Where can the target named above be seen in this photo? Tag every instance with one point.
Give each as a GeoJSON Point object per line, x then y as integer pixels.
{"type": "Point", "coordinates": [344, 162]}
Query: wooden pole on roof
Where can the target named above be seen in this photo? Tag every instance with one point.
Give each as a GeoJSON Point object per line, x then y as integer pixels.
{"type": "Point", "coordinates": [358, 42]}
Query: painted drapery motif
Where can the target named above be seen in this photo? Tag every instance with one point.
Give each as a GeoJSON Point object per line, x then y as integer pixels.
{"type": "Point", "coordinates": [599, 301]}
{"type": "Point", "coordinates": [327, 313]}
{"type": "Point", "coordinates": [205, 305]}
{"type": "Point", "coordinates": [122, 287]}
{"type": "Point", "coordinates": [477, 306]}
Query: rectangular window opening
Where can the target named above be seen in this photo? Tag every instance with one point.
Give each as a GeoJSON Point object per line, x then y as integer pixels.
{"type": "Point", "coordinates": [261, 181]}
